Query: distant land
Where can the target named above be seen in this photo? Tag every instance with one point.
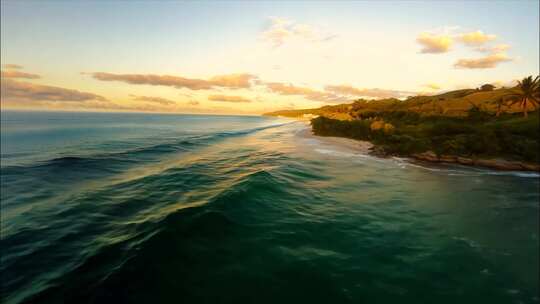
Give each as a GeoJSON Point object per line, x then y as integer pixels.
{"type": "Point", "coordinates": [487, 126]}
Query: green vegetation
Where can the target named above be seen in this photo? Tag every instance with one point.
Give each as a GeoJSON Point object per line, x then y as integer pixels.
{"type": "Point", "coordinates": [527, 93]}
{"type": "Point", "coordinates": [474, 123]}
{"type": "Point", "coordinates": [476, 135]}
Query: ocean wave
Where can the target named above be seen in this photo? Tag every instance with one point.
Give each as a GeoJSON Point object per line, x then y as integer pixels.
{"type": "Point", "coordinates": [278, 222]}
{"type": "Point", "coordinates": [182, 235]}
{"type": "Point", "coordinates": [460, 170]}
{"type": "Point", "coordinates": [139, 154]}
{"type": "Point", "coordinates": [139, 226]}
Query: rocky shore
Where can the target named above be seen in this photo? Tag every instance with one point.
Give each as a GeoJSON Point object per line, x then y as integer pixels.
{"type": "Point", "coordinates": [428, 156]}
{"type": "Point", "coordinates": [494, 163]}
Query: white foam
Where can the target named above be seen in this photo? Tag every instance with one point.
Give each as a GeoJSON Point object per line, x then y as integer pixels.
{"type": "Point", "coordinates": [335, 153]}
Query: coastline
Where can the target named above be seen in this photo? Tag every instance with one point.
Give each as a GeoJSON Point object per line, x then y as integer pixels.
{"type": "Point", "coordinates": [491, 163]}
{"type": "Point", "coordinates": [426, 157]}
{"type": "Point", "coordinates": [340, 142]}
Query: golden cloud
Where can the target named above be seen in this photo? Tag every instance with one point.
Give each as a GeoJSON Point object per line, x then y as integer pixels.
{"type": "Point", "coordinates": [289, 89]}
{"type": "Point", "coordinates": [153, 99]}
{"type": "Point", "coordinates": [11, 66]}
{"type": "Point", "coordinates": [13, 90]}
{"type": "Point", "coordinates": [228, 98]}
{"type": "Point", "coordinates": [334, 93]}
{"type": "Point", "coordinates": [475, 38]}
{"type": "Point", "coordinates": [433, 43]}
{"type": "Point", "coordinates": [370, 93]}
{"type": "Point", "coordinates": [487, 62]}
{"type": "Point", "coordinates": [18, 74]}
{"type": "Point", "coordinates": [232, 81]}
{"type": "Point", "coordinates": [311, 94]}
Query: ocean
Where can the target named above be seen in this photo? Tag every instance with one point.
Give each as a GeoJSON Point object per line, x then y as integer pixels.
{"type": "Point", "coordinates": [150, 208]}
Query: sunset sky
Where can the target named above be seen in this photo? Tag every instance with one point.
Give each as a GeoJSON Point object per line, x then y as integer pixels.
{"type": "Point", "coordinates": [250, 58]}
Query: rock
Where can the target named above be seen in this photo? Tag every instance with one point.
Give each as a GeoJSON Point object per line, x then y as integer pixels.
{"type": "Point", "coordinates": [495, 163]}
{"type": "Point", "coordinates": [428, 156]}
{"type": "Point", "coordinates": [465, 161]}
{"type": "Point", "coordinates": [448, 158]}
{"type": "Point", "coordinates": [531, 167]}
{"type": "Point", "coordinates": [500, 164]}
{"type": "Point", "coordinates": [378, 151]}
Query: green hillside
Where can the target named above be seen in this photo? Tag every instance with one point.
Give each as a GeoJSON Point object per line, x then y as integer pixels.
{"type": "Point", "coordinates": [454, 103]}
{"type": "Point", "coordinates": [471, 124]}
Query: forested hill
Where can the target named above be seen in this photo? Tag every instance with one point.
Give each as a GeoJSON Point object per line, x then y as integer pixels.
{"type": "Point", "coordinates": [475, 126]}
{"type": "Point", "coordinates": [454, 103]}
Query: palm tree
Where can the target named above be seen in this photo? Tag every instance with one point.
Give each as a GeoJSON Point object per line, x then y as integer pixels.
{"type": "Point", "coordinates": [527, 92]}
{"type": "Point", "coordinates": [536, 93]}
{"type": "Point", "coordinates": [500, 102]}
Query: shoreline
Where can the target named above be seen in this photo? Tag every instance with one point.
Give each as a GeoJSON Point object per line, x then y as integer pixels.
{"type": "Point", "coordinates": [426, 157]}
{"type": "Point", "coordinates": [491, 163]}
{"type": "Point", "coordinates": [340, 142]}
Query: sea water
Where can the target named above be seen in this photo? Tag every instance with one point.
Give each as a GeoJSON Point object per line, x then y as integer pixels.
{"type": "Point", "coordinates": [148, 208]}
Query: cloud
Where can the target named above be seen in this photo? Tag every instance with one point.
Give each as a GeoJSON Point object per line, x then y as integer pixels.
{"type": "Point", "coordinates": [24, 91]}
{"type": "Point", "coordinates": [11, 66]}
{"type": "Point", "coordinates": [289, 89]}
{"type": "Point", "coordinates": [434, 43]}
{"type": "Point", "coordinates": [432, 86]}
{"type": "Point", "coordinates": [475, 38]}
{"type": "Point", "coordinates": [232, 81]}
{"type": "Point", "coordinates": [487, 62]}
{"type": "Point", "coordinates": [500, 48]}
{"type": "Point", "coordinates": [326, 97]}
{"type": "Point", "coordinates": [18, 74]}
{"type": "Point", "coordinates": [505, 83]}
{"type": "Point", "coordinates": [369, 93]}
{"type": "Point", "coordinates": [228, 98]}
{"type": "Point", "coordinates": [153, 99]}
{"type": "Point", "coordinates": [282, 30]}
{"type": "Point", "coordinates": [308, 93]}
{"type": "Point", "coordinates": [442, 41]}
{"type": "Point", "coordinates": [193, 103]}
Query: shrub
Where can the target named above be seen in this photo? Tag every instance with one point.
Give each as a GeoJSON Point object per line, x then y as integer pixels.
{"type": "Point", "coordinates": [509, 137]}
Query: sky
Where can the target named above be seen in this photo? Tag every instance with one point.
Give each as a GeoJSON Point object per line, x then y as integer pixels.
{"type": "Point", "coordinates": [254, 57]}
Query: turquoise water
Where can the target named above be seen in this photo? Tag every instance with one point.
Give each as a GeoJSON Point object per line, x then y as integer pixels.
{"type": "Point", "coordinates": [139, 208]}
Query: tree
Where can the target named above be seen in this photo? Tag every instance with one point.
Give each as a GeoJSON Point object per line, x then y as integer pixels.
{"type": "Point", "coordinates": [526, 93]}
{"type": "Point", "coordinates": [500, 102]}
{"type": "Point", "coordinates": [487, 87]}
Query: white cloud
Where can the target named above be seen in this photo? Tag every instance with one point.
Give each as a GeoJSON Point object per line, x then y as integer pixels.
{"type": "Point", "coordinates": [282, 30]}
